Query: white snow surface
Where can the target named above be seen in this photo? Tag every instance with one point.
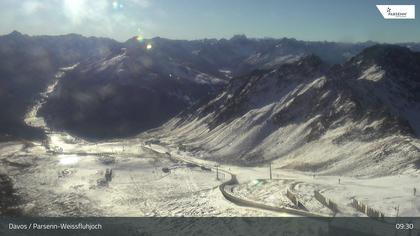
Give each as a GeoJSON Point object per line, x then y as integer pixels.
{"type": "Point", "coordinates": [255, 137]}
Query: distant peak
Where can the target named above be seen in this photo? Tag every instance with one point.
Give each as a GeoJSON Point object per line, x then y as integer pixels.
{"type": "Point", "coordinates": [383, 49]}
{"type": "Point", "coordinates": [387, 54]}
{"type": "Point", "coordinates": [239, 37]}
{"type": "Point", "coordinates": [15, 33]}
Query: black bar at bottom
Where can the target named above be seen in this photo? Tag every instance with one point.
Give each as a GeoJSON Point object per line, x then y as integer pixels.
{"type": "Point", "coordinates": [283, 226]}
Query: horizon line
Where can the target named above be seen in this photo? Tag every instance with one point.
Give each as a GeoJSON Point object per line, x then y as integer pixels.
{"type": "Point", "coordinates": [218, 39]}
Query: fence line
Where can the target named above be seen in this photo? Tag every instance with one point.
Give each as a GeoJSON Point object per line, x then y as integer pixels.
{"type": "Point", "coordinates": [295, 200]}
{"type": "Point", "coordinates": [326, 202]}
{"type": "Point", "coordinates": [369, 211]}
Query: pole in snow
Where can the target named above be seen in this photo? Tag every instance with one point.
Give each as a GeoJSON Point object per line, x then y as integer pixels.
{"type": "Point", "coordinates": [271, 176]}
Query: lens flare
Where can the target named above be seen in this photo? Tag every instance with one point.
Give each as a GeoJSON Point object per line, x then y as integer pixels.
{"type": "Point", "coordinates": [115, 4]}
{"type": "Point", "coordinates": [139, 38]}
{"type": "Point", "coordinates": [149, 46]}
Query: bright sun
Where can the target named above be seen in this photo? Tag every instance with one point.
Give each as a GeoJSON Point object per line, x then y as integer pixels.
{"type": "Point", "coordinates": [74, 9]}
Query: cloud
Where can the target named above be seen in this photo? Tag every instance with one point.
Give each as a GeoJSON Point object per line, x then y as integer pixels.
{"type": "Point", "coordinates": [80, 11]}
{"type": "Point", "coordinates": [31, 7]}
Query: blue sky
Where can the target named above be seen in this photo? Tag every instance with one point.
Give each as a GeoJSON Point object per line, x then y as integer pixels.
{"type": "Point", "coordinates": [331, 20]}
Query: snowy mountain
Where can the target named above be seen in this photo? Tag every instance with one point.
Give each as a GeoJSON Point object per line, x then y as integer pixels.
{"type": "Point", "coordinates": [125, 94]}
{"type": "Point", "coordinates": [136, 88]}
{"type": "Point", "coordinates": [120, 89]}
{"type": "Point", "coordinates": [28, 65]}
{"type": "Point", "coordinates": [388, 76]}
{"type": "Point", "coordinates": [301, 115]}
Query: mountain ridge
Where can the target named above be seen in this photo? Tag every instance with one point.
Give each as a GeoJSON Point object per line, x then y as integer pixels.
{"type": "Point", "coordinates": [325, 122]}
{"type": "Point", "coordinates": [195, 69]}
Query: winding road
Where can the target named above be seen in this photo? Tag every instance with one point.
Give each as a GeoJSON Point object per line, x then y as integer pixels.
{"type": "Point", "coordinates": [226, 188]}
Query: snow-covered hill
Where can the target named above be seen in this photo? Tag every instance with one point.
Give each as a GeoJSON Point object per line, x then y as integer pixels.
{"type": "Point", "coordinates": [359, 118]}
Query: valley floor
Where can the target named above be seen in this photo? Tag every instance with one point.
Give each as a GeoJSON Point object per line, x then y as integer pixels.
{"type": "Point", "coordinates": [53, 184]}
{"type": "Point", "coordinates": [67, 182]}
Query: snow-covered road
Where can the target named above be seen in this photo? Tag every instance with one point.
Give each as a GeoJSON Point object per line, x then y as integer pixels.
{"type": "Point", "coordinates": [385, 194]}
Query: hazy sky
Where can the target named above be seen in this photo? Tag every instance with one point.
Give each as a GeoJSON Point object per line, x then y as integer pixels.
{"type": "Point", "coordinates": [332, 20]}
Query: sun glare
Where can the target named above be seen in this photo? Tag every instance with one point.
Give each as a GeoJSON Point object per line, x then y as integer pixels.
{"type": "Point", "coordinates": [117, 5]}
{"type": "Point", "coordinates": [75, 9]}
{"type": "Point", "coordinates": [139, 38]}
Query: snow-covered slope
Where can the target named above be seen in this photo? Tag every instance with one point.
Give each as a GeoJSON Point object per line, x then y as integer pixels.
{"type": "Point", "coordinates": [28, 65]}
{"type": "Point", "coordinates": [125, 93]}
{"type": "Point", "coordinates": [305, 117]}
{"type": "Point", "coordinates": [121, 89]}
{"type": "Point", "coordinates": [388, 76]}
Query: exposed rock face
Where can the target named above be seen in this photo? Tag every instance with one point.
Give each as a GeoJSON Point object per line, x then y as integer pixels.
{"type": "Point", "coordinates": [337, 120]}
